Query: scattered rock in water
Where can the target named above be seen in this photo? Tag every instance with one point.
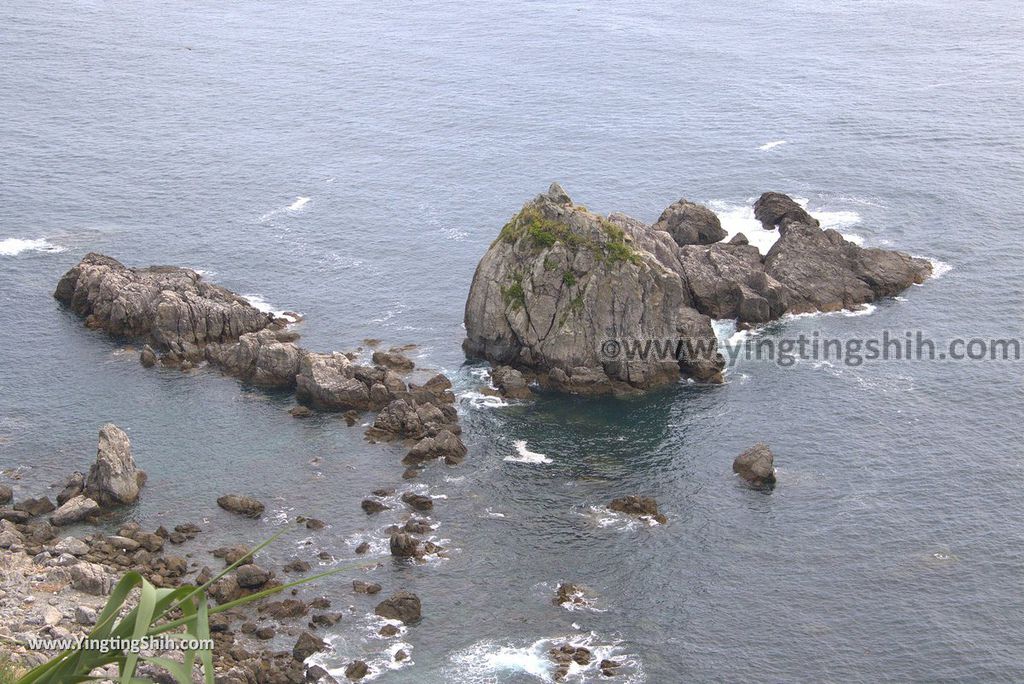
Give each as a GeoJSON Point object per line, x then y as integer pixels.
{"type": "Point", "coordinates": [361, 587]}
{"type": "Point", "coordinates": [286, 609]}
{"type": "Point", "coordinates": [445, 445]}
{"type": "Point", "coordinates": [74, 510]}
{"type": "Point", "coordinates": [6, 494]}
{"type": "Point", "coordinates": [296, 565]}
{"type": "Point", "coordinates": [74, 486]}
{"type": "Point", "coordinates": [306, 646]}
{"type": "Point", "coordinates": [315, 524]}
{"type": "Point", "coordinates": [401, 655]}
{"type": "Point", "coordinates": [356, 670]}
{"type": "Point", "coordinates": [609, 668]}
{"type": "Point", "coordinates": [300, 411]}
{"type": "Point", "coordinates": [404, 545]}
{"type": "Point", "coordinates": [640, 506]}
{"type": "Point", "coordinates": [403, 606]}
{"type": "Point", "coordinates": [243, 505]}
{"type": "Point", "coordinates": [147, 357]}
{"type": "Point", "coordinates": [389, 631]}
{"type": "Point", "coordinates": [113, 479]}
{"type": "Point", "coordinates": [232, 554]}
{"type": "Point", "coordinates": [13, 515]}
{"type": "Point", "coordinates": [570, 595]}
{"type": "Point", "coordinates": [393, 359]}
{"type": "Point", "coordinates": [410, 473]}
{"type": "Point", "coordinates": [756, 465]}
{"type": "Point", "coordinates": [371, 506]}
{"type": "Point", "coordinates": [363, 547]}
{"type": "Point", "coordinates": [511, 383]}
{"type": "Point", "coordinates": [418, 502]}
{"type": "Point", "coordinates": [251, 576]}
{"type": "Point", "coordinates": [34, 507]}
{"type": "Point", "coordinates": [564, 655]}
{"type": "Point", "coordinates": [690, 224]}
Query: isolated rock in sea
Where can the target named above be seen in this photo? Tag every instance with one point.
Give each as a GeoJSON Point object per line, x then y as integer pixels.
{"type": "Point", "coordinates": [640, 506]}
{"type": "Point", "coordinates": [113, 479]}
{"type": "Point", "coordinates": [74, 510]}
{"type": "Point", "coordinates": [560, 281]}
{"type": "Point", "coordinates": [243, 505]}
{"type": "Point", "coordinates": [404, 606]}
{"type": "Point", "coordinates": [774, 209]}
{"type": "Point", "coordinates": [690, 224]}
{"type": "Point", "coordinates": [756, 465]}
{"type": "Point", "coordinates": [147, 357]}
{"type": "Point", "coordinates": [173, 309]}
{"type": "Point", "coordinates": [822, 271]}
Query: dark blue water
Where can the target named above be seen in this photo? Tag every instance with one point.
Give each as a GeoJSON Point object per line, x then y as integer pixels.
{"type": "Point", "coordinates": [893, 547]}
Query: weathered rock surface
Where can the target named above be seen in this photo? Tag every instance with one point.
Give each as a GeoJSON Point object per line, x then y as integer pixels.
{"type": "Point", "coordinates": [756, 465]}
{"type": "Point", "coordinates": [558, 282]}
{"type": "Point", "coordinates": [404, 606]}
{"type": "Point", "coordinates": [445, 445]}
{"type": "Point", "coordinates": [774, 209]}
{"type": "Point", "coordinates": [113, 479]}
{"type": "Point", "coordinates": [6, 494]}
{"type": "Point", "coordinates": [74, 510]}
{"type": "Point", "coordinates": [822, 271]}
{"type": "Point", "coordinates": [690, 224]}
{"type": "Point", "coordinates": [393, 359]}
{"type": "Point", "coordinates": [173, 309]}
{"type": "Point", "coordinates": [306, 646]}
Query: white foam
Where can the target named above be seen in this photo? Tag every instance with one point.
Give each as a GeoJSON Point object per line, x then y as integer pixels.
{"type": "Point", "coordinates": [15, 246]}
{"type": "Point", "coordinates": [739, 218]}
{"type": "Point", "coordinates": [771, 145]}
{"type": "Point", "coordinates": [939, 268]}
{"type": "Point", "coordinates": [263, 305]}
{"type": "Point", "coordinates": [487, 661]}
{"type": "Point", "coordinates": [525, 455]}
{"type": "Point", "coordinates": [481, 400]}
{"type": "Point", "coordinates": [298, 204]}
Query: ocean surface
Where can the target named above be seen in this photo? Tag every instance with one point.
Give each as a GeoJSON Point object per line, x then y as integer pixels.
{"type": "Point", "coordinates": [353, 161]}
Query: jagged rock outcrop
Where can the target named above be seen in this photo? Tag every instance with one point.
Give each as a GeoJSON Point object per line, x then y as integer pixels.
{"type": "Point", "coordinates": [822, 271]}
{"type": "Point", "coordinates": [184, 320]}
{"type": "Point", "coordinates": [773, 209]}
{"type": "Point", "coordinates": [113, 479]}
{"type": "Point", "coordinates": [559, 282]}
{"type": "Point", "coordinates": [690, 224]}
{"type": "Point", "coordinates": [171, 308]}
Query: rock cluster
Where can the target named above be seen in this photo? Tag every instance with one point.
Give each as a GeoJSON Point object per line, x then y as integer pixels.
{"type": "Point", "coordinates": [184, 320]}
{"type": "Point", "coordinates": [639, 506]}
{"type": "Point", "coordinates": [561, 281]}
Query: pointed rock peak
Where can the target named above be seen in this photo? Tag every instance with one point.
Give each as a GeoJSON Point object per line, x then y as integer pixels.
{"type": "Point", "coordinates": [557, 194]}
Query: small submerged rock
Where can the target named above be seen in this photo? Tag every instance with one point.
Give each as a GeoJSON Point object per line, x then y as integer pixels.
{"type": "Point", "coordinates": [756, 465]}
{"type": "Point", "coordinates": [640, 506]}
{"type": "Point", "coordinates": [356, 670]}
{"type": "Point", "coordinates": [243, 505]}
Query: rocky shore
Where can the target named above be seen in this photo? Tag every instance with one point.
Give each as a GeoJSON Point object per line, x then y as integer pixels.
{"type": "Point", "coordinates": [560, 280]}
